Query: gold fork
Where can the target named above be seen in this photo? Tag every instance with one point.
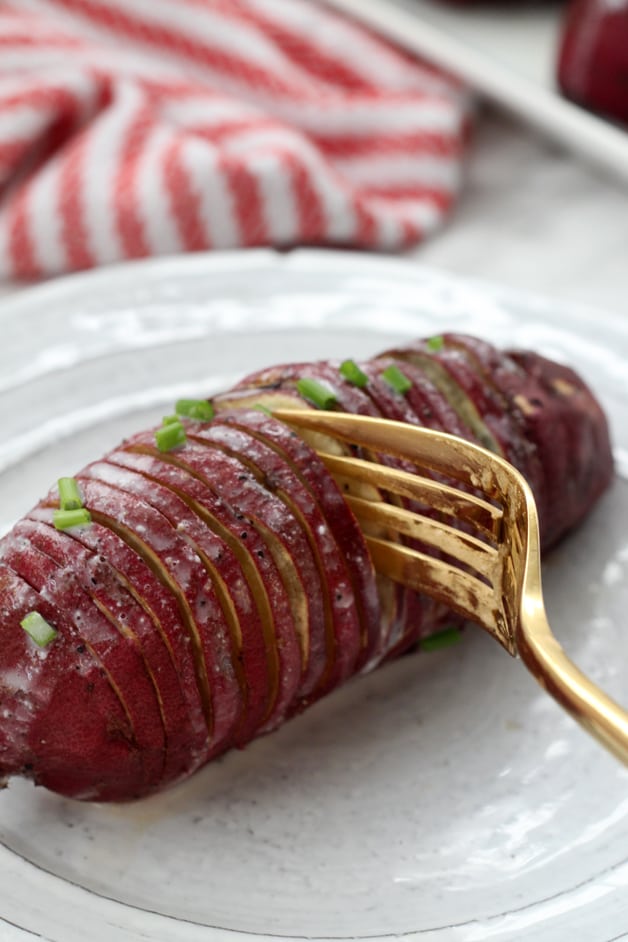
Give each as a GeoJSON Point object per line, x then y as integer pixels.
{"type": "Point", "coordinates": [491, 575]}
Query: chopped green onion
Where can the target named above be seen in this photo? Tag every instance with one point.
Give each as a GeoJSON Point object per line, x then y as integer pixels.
{"type": "Point", "coordinates": [319, 395]}
{"type": "Point", "coordinates": [171, 420]}
{"type": "Point", "coordinates": [38, 628]}
{"type": "Point", "coordinates": [396, 379]}
{"type": "Point", "coordinates": [170, 436]}
{"type": "Point", "coordinates": [69, 494]}
{"type": "Point", "coordinates": [260, 408]}
{"type": "Point", "coordinates": [199, 409]}
{"type": "Point", "coordinates": [442, 639]}
{"type": "Point", "coordinates": [64, 519]}
{"type": "Point", "coordinates": [435, 343]}
{"type": "Point", "coordinates": [353, 374]}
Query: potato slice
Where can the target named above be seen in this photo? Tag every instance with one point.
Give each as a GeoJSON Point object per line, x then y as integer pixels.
{"type": "Point", "coordinates": [105, 587]}
{"type": "Point", "coordinates": [117, 652]}
{"type": "Point", "coordinates": [438, 374]}
{"type": "Point", "coordinates": [279, 392]}
{"type": "Point", "coordinates": [214, 534]}
{"type": "Point", "coordinates": [64, 724]}
{"type": "Point", "coordinates": [127, 508]}
{"type": "Point", "coordinates": [352, 555]}
{"type": "Point", "coordinates": [333, 640]}
{"type": "Point", "coordinates": [211, 483]}
{"type": "Point", "coordinates": [134, 572]}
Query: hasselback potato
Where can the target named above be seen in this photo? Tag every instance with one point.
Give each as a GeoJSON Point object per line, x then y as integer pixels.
{"type": "Point", "coordinates": [206, 580]}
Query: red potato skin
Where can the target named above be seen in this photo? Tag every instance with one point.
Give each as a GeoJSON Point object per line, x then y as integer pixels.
{"type": "Point", "coordinates": [350, 398]}
{"type": "Point", "coordinates": [348, 537]}
{"type": "Point", "coordinates": [147, 677]}
{"type": "Point", "coordinates": [347, 631]}
{"type": "Point", "coordinates": [219, 476]}
{"type": "Point", "coordinates": [96, 735]}
{"type": "Point", "coordinates": [505, 378]}
{"type": "Point", "coordinates": [257, 500]}
{"type": "Point", "coordinates": [581, 457]}
{"type": "Point", "coordinates": [428, 404]}
{"type": "Point", "coordinates": [421, 615]}
{"type": "Point", "coordinates": [98, 580]}
{"type": "Point", "coordinates": [593, 57]}
{"type": "Point", "coordinates": [195, 591]}
{"type": "Point", "coordinates": [272, 675]}
{"type": "Point", "coordinates": [503, 417]}
{"type": "Point", "coordinates": [324, 595]}
{"type": "Point", "coordinates": [387, 402]}
{"type": "Point", "coordinates": [94, 753]}
{"type": "Point", "coordinates": [562, 422]}
{"type": "Point", "coordinates": [107, 546]}
{"type": "Point", "coordinates": [254, 680]}
{"type": "Point", "coordinates": [489, 408]}
{"type": "Point", "coordinates": [118, 654]}
{"type": "Point", "coordinates": [423, 404]}
{"type": "Point", "coordinates": [415, 612]}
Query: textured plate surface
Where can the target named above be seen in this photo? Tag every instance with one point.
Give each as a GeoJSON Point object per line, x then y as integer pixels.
{"type": "Point", "coordinates": [443, 798]}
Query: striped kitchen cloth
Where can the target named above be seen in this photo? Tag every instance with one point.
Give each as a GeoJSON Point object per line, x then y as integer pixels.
{"type": "Point", "coordinates": [131, 128]}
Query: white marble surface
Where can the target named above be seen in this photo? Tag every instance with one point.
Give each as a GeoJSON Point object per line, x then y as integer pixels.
{"type": "Point", "coordinates": [534, 217]}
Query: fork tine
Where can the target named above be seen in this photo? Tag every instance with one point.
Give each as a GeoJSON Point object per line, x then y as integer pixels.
{"type": "Point", "coordinates": [449, 500]}
{"type": "Point", "coordinates": [446, 454]}
{"type": "Point", "coordinates": [441, 580]}
{"type": "Point", "coordinates": [480, 556]}
{"type": "Point", "coordinates": [512, 607]}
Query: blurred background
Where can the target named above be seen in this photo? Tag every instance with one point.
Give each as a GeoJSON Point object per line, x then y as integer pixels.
{"type": "Point", "coordinates": [486, 140]}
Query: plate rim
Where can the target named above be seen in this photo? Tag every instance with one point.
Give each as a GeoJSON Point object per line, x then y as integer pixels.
{"type": "Point", "coordinates": [38, 296]}
{"type": "Point", "coordinates": [258, 259]}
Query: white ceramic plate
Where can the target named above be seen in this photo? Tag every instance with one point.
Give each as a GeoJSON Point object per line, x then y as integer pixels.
{"type": "Point", "coordinates": [506, 50]}
{"type": "Point", "coordinates": [443, 798]}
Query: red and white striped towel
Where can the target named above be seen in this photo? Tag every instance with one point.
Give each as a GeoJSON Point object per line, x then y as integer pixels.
{"type": "Point", "coordinates": [140, 127]}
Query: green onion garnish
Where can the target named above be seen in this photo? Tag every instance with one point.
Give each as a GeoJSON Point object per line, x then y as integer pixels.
{"type": "Point", "coordinates": [435, 343]}
{"type": "Point", "coordinates": [64, 519]}
{"type": "Point", "coordinates": [319, 395]}
{"type": "Point", "coordinates": [199, 409]}
{"type": "Point", "coordinates": [396, 379]}
{"type": "Point", "coordinates": [69, 494]}
{"type": "Point", "coordinates": [38, 628]}
{"type": "Point", "coordinates": [442, 639]}
{"type": "Point", "coordinates": [170, 436]}
{"type": "Point", "coordinates": [170, 420]}
{"type": "Point", "coordinates": [260, 408]}
{"type": "Point", "coordinates": [353, 374]}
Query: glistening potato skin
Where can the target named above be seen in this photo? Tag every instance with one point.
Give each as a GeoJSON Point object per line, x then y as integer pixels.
{"type": "Point", "coordinates": [223, 586]}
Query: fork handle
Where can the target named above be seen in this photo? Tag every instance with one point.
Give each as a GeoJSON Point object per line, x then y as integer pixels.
{"type": "Point", "coordinates": [596, 712]}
